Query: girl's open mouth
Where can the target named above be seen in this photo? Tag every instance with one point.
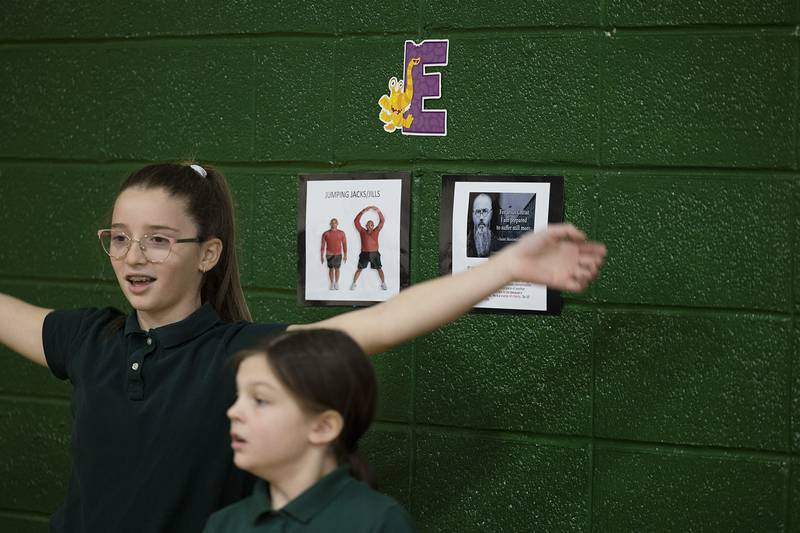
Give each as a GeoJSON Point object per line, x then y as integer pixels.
{"type": "Point", "coordinates": [139, 283]}
{"type": "Point", "coordinates": [237, 442]}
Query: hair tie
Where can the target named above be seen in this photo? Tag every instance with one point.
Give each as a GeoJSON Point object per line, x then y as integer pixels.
{"type": "Point", "coordinates": [200, 170]}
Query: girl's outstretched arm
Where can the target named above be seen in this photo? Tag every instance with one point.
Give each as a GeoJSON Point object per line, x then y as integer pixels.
{"type": "Point", "coordinates": [559, 257]}
{"type": "Point", "coordinates": [21, 328]}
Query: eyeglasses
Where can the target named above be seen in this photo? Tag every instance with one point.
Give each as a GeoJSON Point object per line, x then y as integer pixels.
{"type": "Point", "coordinates": [482, 212]}
{"type": "Point", "coordinates": [155, 248]}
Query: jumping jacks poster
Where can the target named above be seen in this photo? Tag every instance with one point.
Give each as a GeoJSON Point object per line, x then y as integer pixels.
{"type": "Point", "coordinates": [352, 237]}
{"type": "Point", "coordinates": [481, 215]}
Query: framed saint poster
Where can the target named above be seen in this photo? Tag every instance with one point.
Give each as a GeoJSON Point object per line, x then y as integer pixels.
{"type": "Point", "coordinates": [352, 237]}
{"type": "Point", "coordinates": [480, 215]}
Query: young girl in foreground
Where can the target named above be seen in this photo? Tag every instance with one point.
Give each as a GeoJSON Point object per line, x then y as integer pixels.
{"type": "Point", "coordinates": [304, 400]}
{"type": "Point", "coordinates": [150, 446]}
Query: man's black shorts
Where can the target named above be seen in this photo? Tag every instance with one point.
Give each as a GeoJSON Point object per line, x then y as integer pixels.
{"type": "Point", "coordinates": [373, 258]}
{"type": "Point", "coordinates": [334, 261]}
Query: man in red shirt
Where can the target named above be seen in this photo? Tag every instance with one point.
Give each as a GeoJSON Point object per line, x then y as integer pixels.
{"type": "Point", "coordinates": [369, 246]}
{"type": "Point", "coordinates": [335, 241]}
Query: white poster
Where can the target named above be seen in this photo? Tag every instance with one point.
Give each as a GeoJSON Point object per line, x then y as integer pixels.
{"type": "Point", "coordinates": [489, 214]}
{"type": "Point", "coordinates": [353, 239]}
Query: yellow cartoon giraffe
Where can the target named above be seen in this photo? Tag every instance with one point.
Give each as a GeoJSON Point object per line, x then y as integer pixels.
{"type": "Point", "coordinates": [398, 101]}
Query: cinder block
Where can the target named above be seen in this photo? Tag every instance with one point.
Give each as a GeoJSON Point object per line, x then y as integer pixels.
{"type": "Point", "coordinates": [56, 98]}
{"type": "Point", "coordinates": [61, 295]}
{"type": "Point", "coordinates": [520, 98]}
{"type": "Point", "coordinates": [521, 373]}
{"type": "Point", "coordinates": [659, 490]}
{"type": "Point", "coordinates": [716, 100]}
{"type": "Point", "coordinates": [581, 199]}
{"type": "Point", "coordinates": [796, 243]}
{"type": "Point", "coordinates": [55, 212]}
{"type": "Point", "coordinates": [794, 498]}
{"type": "Point", "coordinates": [387, 449]}
{"type": "Point", "coordinates": [20, 376]}
{"type": "Point", "coordinates": [394, 370]}
{"type": "Point", "coordinates": [516, 13]}
{"type": "Point", "coordinates": [466, 482]}
{"type": "Point", "coordinates": [795, 405]}
{"type": "Point", "coordinates": [175, 100]}
{"type": "Point", "coordinates": [693, 379]}
{"type": "Point", "coordinates": [363, 68]}
{"type": "Point", "coordinates": [688, 12]}
{"type": "Point", "coordinates": [33, 20]}
{"type": "Point", "coordinates": [271, 246]}
{"type": "Point", "coordinates": [23, 20]}
{"type": "Point", "coordinates": [204, 17]}
{"type": "Point", "coordinates": [24, 525]}
{"type": "Point", "coordinates": [283, 308]}
{"type": "Point", "coordinates": [376, 16]}
{"type": "Point", "coordinates": [705, 241]}
{"type": "Point", "coordinates": [129, 101]}
{"type": "Point", "coordinates": [581, 192]}
{"type": "Point", "coordinates": [34, 455]}
{"type": "Point", "coordinates": [294, 100]}
{"type": "Point", "coordinates": [426, 201]}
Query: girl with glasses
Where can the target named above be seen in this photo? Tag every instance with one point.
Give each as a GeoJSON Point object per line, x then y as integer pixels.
{"type": "Point", "coordinates": [150, 444]}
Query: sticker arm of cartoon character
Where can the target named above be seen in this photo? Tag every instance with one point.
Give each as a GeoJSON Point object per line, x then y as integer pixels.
{"type": "Point", "coordinates": [398, 101]}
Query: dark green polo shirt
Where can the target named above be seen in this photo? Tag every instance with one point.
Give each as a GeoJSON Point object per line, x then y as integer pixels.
{"type": "Point", "coordinates": [150, 439]}
{"type": "Point", "coordinates": [335, 504]}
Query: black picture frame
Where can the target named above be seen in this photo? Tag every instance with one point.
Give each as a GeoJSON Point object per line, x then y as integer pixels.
{"type": "Point", "coordinates": [488, 186]}
{"type": "Point", "coordinates": [311, 206]}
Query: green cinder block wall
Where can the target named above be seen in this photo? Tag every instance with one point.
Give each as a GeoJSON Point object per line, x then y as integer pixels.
{"type": "Point", "coordinates": [666, 398]}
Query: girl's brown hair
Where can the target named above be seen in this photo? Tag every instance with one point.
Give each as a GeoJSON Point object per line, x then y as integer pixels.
{"type": "Point", "coordinates": [210, 205]}
{"type": "Point", "coordinates": [326, 369]}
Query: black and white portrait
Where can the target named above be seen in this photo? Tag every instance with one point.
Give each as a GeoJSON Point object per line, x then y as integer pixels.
{"type": "Point", "coordinates": [481, 223]}
{"type": "Point", "coordinates": [484, 214]}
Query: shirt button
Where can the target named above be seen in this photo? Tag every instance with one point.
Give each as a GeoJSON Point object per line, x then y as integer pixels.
{"type": "Point", "coordinates": [149, 341]}
{"type": "Point", "coordinates": [135, 366]}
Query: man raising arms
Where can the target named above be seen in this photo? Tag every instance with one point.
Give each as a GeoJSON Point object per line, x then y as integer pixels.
{"type": "Point", "coordinates": [369, 246]}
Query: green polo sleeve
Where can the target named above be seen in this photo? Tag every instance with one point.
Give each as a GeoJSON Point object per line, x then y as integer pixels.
{"type": "Point", "coordinates": [246, 335]}
{"type": "Point", "coordinates": [395, 519]}
{"type": "Point", "coordinates": [66, 334]}
{"type": "Point", "coordinates": [214, 524]}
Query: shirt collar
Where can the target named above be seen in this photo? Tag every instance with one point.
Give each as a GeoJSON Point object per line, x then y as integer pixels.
{"type": "Point", "coordinates": [179, 332]}
{"type": "Point", "coordinates": [259, 502]}
{"type": "Point", "coordinates": [308, 503]}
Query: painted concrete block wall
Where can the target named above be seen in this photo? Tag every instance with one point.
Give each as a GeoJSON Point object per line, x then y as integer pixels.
{"type": "Point", "coordinates": [666, 398]}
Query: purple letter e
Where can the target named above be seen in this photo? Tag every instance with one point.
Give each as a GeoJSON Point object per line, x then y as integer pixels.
{"type": "Point", "coordinates": [426, 87]}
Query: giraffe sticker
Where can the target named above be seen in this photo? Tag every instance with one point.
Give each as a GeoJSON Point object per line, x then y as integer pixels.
{"type": "Point", "coordinates": [403, 108]}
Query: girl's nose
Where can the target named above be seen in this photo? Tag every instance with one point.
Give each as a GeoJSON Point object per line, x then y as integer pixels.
{"type": "Point", "coordinates": [233, 410]}
{"type": "Point", "coordinates": [135, 255]}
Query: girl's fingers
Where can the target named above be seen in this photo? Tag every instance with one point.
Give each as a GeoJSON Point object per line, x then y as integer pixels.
{"type": "Point", "coordinates": [567, 232]}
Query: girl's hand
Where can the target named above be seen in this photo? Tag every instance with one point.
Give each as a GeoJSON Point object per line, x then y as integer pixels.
{"type": "Point", "coordinates": [559, 257]}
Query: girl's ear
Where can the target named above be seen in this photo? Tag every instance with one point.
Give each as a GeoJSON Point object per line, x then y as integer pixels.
{"type": "Point", "coordinates": [326, 427]}
{"type": "Point", "coordinates": [210, 251]}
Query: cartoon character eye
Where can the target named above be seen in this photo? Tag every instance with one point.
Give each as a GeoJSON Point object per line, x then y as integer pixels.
{"type": "Point", "coordinates": [393, 83]}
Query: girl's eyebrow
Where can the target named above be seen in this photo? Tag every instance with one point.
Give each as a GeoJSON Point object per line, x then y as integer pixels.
{"type": "Point", "coordinates": [151, 227]}
{"type": "Point", "coordinates": [257, 384]}
{"type": "Point", "coordinates": [160, 227]}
